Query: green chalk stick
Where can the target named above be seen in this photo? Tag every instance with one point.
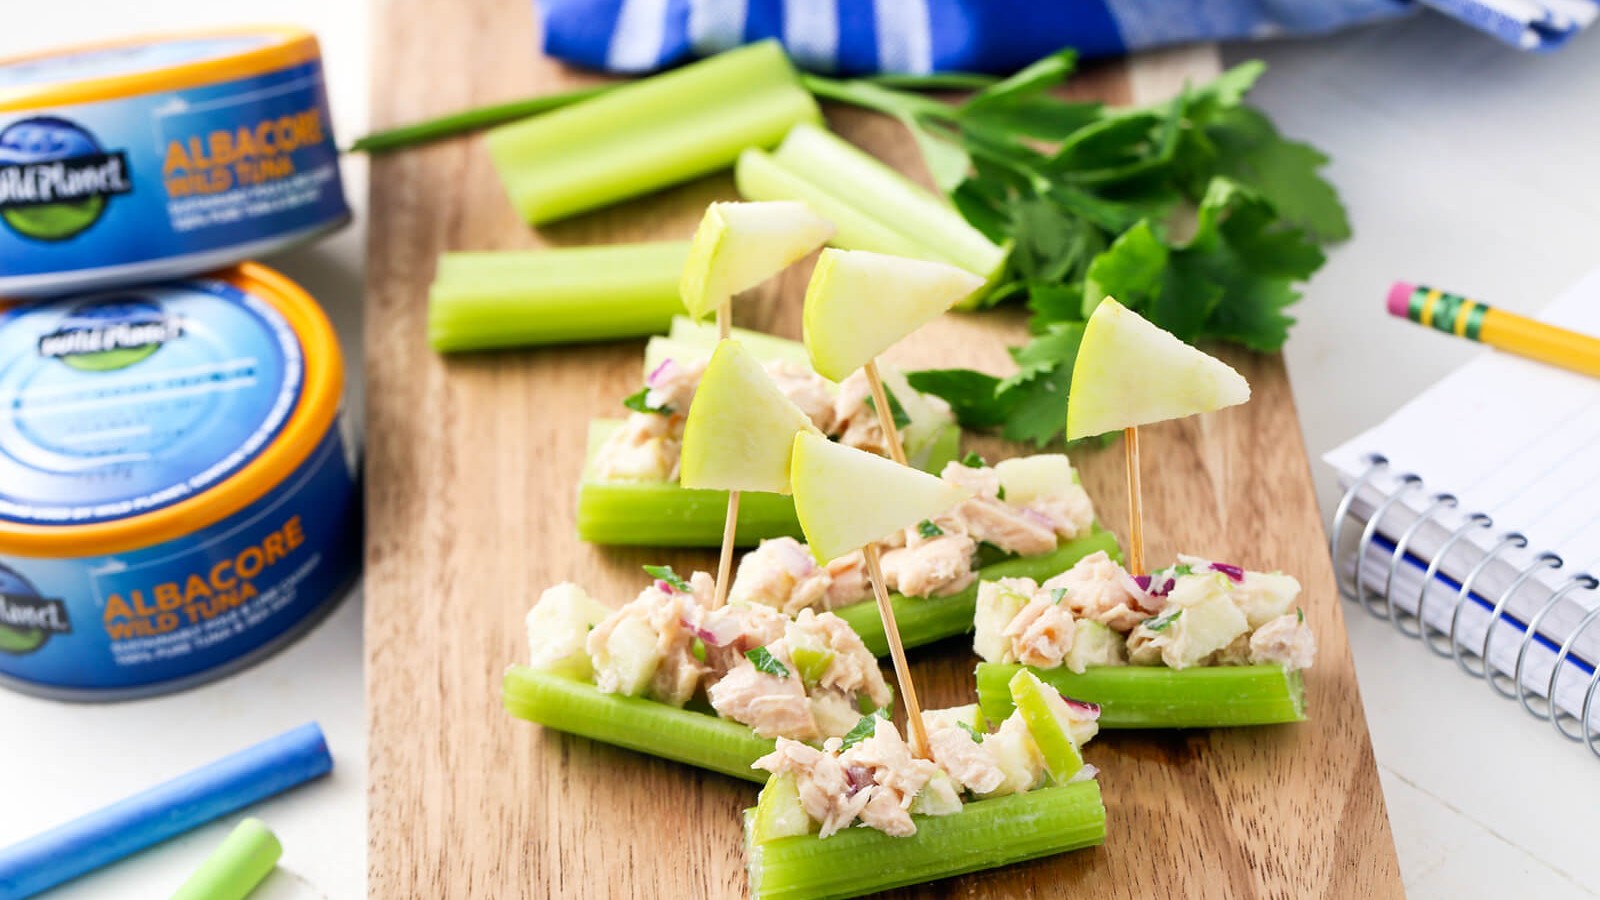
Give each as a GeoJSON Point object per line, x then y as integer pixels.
{"type": "Point", "coordinates": [236, 867]}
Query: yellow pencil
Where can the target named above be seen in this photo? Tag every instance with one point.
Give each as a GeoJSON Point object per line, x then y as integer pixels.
{"type": "Point", "coordinates": [1475, 321]}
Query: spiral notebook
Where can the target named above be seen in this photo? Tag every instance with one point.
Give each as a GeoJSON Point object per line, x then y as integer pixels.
{"type": "Point", "coordinates": [1471, 521]}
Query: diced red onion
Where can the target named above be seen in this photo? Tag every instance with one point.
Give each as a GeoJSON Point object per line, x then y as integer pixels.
{"type": "Point", "coordinates": [1087, 711]}
{"type": "Point", "coordinates": [656, 377]}
{"type": "Point", "coordinates": [1232, 571]}
{"type": "Point", "coordinates": [664, 587]}
{"type": "Point", "coordinates": [858, 776]}
{"type": "Point", "coordinates": [1143, 581]}
{"type": "Point", "coordinates": [1086, 773]}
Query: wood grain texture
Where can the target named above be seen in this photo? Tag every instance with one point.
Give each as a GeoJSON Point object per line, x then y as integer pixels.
{"type": "Point", "coordinates": [472, 463]}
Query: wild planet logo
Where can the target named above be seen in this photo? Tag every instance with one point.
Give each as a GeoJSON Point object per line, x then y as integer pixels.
{"type": "Point", "coordinates": [109, 334]}
{"type": "Point", "coordinates": [27, 620]}
{"type": "Point", "coordinates": [55, 180]}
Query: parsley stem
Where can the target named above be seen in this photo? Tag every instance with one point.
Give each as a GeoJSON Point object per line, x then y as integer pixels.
{"type": "Point", "coordinates": [470, 120]}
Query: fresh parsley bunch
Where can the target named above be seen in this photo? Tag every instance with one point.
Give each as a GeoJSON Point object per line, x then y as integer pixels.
{"type": "Point", "coordinates": [1195, 212]}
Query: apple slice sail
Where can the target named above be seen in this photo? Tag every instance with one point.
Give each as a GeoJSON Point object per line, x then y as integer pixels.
{"type": "Point", "coordinates": [739, 434]}
{"type": "Point", "coordinates": [859, 304]}
{"type": "Point", "coordinates": [740, 245]}
{"type": "Point", "coordinates": [846, 498]}
{"type": "Point", "coordinates": [1130, 372]}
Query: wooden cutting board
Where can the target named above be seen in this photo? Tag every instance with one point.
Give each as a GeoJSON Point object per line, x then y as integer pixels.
{"type": "Point", "coordinates": [471, 468]}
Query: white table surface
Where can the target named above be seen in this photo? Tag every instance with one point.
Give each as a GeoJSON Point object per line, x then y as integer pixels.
{"type": "Point", "coordinates": [1464, 165]}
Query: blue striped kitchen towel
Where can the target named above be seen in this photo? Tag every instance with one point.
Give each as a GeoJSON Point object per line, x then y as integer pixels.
{"type": "Point", "coordinates": [917, 36]}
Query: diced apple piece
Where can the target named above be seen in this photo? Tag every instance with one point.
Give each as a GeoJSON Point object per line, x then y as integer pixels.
{"type": "Point", "coordinates": [998, 603]}
{"type": "Point", "coordinates": [558, 630]}
{"type": "Point", "coordinates": [833, 713]}
{"type": "Point", "coordinates": [847, 498]}
{"type": "Point", "coordinates": [739, 435]}
{"type": "Point", "coordinates": [941, 796]}
{"type": "Point", "coordinates": [740, 245]}
{"type": "Point", "coordinates": [1016, 755]}
{"type": "Point", "coordinates": [1095, 644]}
{"type": "Point", "coordinates": [1029, 478]}
{"type": "Point", "coordinates": [1049, 721]}
{"type": "Point", "coordinates": [811, 662]}
{"type": "Point", "coordinates": [628, 660]}
{"type": "Point", "coordinates": [779, 812]}
{"type": "Point", "coordinates": [1129, 372]}
{"type": "Point", "coordinates": [1264, 596]}
{"type": "Point", "coordinates": [1209, 620]}
{"type": "Point", "coordinates": [969, 715]}
{"type": "Point", "coordinates": [860, 304]}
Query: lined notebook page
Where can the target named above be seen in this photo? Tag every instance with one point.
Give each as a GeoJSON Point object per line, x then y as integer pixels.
{"type": "Point", "coordinates": [1518, 441]}
{"type": "Point", "coordinates": [1512, 438]}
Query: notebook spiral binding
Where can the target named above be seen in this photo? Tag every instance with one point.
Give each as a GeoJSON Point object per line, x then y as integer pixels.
{"type": "Point", "coordinates": [1474, 662]}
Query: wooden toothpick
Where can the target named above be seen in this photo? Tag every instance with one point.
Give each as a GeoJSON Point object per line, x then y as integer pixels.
{"type": "Point", "coordinates": [1130, 437]}
{"type": "Point", "coordinates": [730, 522]}
{"type": "Point", "coordinates": [897, 651]}
{"type": "Point", "coordinates": [880, 401]}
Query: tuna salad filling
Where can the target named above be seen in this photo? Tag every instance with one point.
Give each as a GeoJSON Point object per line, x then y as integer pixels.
{"type": "Point", "coordinates": [1195, 613]}
{"type": "Point", "coordinates": [871, 778]}
{"type": "Point", "coordinates": [648, 445]}
{"type": "Point", "coordinates": [806, 678]}
{"type": "Point", "coordinates": [1022, 507]}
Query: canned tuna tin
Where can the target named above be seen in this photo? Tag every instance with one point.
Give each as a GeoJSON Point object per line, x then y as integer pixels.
{"type": "Point", "coordinates": [177, 497]}
{"type": "Point", "coordinates": [157, 157]}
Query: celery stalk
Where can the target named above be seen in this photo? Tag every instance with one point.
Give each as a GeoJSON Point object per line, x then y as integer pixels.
{"type": "Point", "coordinates": [1159, 697]}
{"type": "Point", "coordinates": [580, 708]}
{"type": "Point", "coordinates": [484, 301]}
{"type": "Point", "coordinates": [470, 120]}
{"type": "Point", "coordinates": [759, 176]}
{"type": "Point", "coordinates": [922, 620]}
{"type": "Point", "coordinates": [650, 134]}
{"type": "Point", "coordinates": [986, 834]}
{"type": "Point", "coordinates": [821, 157]}
{"type": "Point", "coordinates": [663, 514]}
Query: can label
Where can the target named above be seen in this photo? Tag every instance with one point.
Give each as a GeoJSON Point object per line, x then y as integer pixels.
{"type": "Point", "coordinates": [164, 175]}
{"type": "Point", "coordinates": [186, 606]}
{"type": "Point", "coordinates": [123, 403]}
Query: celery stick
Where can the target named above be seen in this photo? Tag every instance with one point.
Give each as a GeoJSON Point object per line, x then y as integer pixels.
{"type": "Point", "coordinates": [484, 301]}
{"type": "Point", "coordinates": [922, 620]}
{"type": "Point", "coordinates": [580, 708]}
{"type": "Point", "coordinates": [663, 514]}
{"type": "Point", "coordinates": [650, 134]}
{"type": "Point", "coordinates": [821, 157]}
{"type": "Point", "coordinates": [1159, 697]}
{"type": "Point", "coordinates": [986, 834]}
{"type": "Point", "coordinates": [759, 176]}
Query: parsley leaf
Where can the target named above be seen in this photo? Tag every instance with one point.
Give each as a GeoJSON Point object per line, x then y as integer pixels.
{"type": "Point", "coordinates": [928, 529]}
{"type": "Point", "coordinates": [1196, 212]}
{"type": "Point", "coordinates": [1300, 613]}
{"type": "Point", "coordinates": [897, 413]}
{"type": "Point", "coordinates": [764, 661]}
{"type": "Point", "coordinates": [673, 579]}
{"type": "Point", "coordinates": [638, 401]}
{"type": "Point", "coordinates": [1000, 492]}
{"type": "Point", "coordinates": [973, 461]}
{"type": "Point", "coordinates": [863, 729]}
{"type": "Point", "coordinates": [977, 736]}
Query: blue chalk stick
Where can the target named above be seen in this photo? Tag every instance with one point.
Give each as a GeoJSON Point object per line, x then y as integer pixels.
{"type": "Point", "coordinates": [186, 802]}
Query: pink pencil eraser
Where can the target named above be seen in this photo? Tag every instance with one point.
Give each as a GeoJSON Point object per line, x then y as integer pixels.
{"type": "Point", "coordinates": [1400, 298]}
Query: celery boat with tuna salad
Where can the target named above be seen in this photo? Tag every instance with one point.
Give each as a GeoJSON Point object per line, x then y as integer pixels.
{"type": "Point", "coordinates": [980, 801]}
{"type": "Point", "coordinates": [1200, 644]}
{"type": "Point", "coordinates": [667, 674]}
{"type": "Point", "coordinates": [629, 492]}
{"type": "Point", "coordinates": [1028, 518]}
